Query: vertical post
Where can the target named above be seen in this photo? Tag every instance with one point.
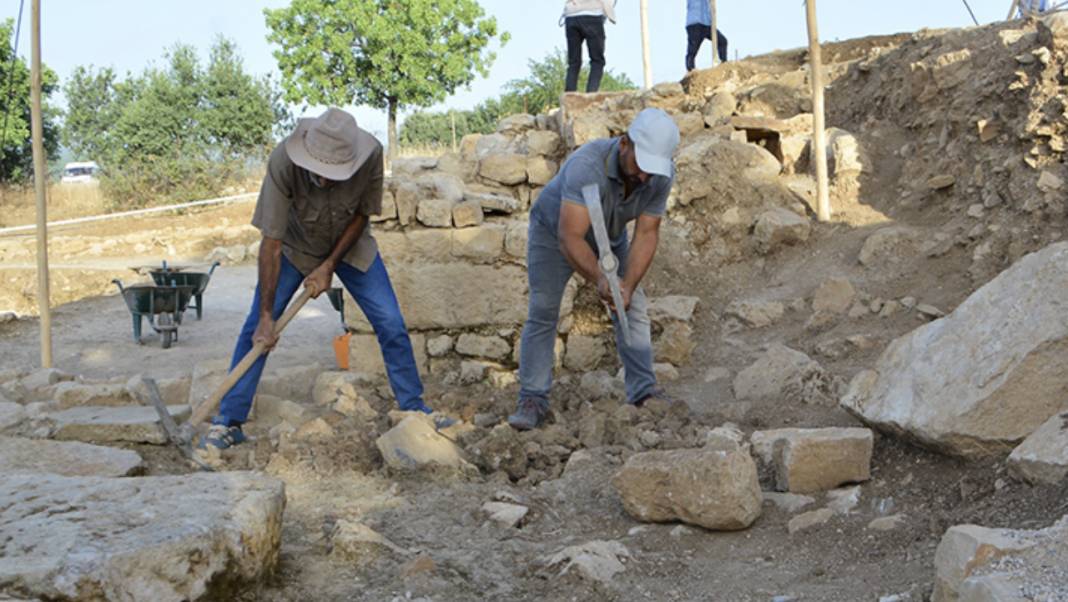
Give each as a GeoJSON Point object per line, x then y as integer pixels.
{"type": "Point", "coordinates": [1012, 10]}
{"type": "Point", "coordinates": [40, 178]}
{"type": "Point", "coordinates": [819, 135]}
{"type": "Point", "coordinates": [715, 33]}
{"type": "Point", "coordinates": [647, 65]}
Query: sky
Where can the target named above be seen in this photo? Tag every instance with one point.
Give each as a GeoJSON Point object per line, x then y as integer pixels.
{"type": "Point", "coordinates": [129, 35]}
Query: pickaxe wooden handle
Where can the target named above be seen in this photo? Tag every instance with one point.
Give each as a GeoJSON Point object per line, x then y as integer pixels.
{"type": "Point", "coordinates": [206, 409]}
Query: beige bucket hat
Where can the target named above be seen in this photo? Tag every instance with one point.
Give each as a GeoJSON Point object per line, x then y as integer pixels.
{"type": "Point", "coordinates": [330, 145]}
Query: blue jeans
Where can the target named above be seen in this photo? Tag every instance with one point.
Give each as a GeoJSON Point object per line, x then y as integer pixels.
{"type": "Point", "coordinates": [547, 273]}
{"type": "Point", "coordinates": [374, 294]}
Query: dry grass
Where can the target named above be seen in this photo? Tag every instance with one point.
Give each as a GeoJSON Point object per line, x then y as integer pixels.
{"type": "Point", "coordinates": [422, 150]}
{"type": "Point", "coordinates": [18, 205]}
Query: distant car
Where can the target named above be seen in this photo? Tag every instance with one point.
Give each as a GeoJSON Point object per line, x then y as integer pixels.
{"type": "Point", "coordinates": [80, 172]}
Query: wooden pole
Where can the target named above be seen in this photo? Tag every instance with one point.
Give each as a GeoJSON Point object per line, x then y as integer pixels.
{"type": "Point", "coordinates": [715, 34]}
{"type": "Point", "coordinates": [647, 65]}
{"type": "Point", "coordinates": [819, 135]}
{"type": "Point", "coordinates": [452, 119]}
{"type": "Point", "coordinates": [40, 179]}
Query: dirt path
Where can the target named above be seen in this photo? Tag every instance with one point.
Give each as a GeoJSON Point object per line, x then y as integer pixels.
{"type": "Point", "coordinates": [94, 337]}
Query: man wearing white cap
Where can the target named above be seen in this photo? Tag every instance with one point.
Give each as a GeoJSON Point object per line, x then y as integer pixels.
{"type": "Point", "coordinates": [634, 174]}
{"type": "Point", "coordinates": [322, 184]}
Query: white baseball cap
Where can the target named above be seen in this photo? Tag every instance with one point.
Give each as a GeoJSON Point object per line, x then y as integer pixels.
{"type": "Point", "coordinates": [655, 137]}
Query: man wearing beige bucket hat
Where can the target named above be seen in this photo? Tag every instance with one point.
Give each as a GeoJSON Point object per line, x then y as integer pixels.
{"type": "Point", "coordinates": [322, 184]}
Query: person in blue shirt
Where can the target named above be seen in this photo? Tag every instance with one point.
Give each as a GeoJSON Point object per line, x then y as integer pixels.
{"type": "Point", "coordinates": [699, 29]}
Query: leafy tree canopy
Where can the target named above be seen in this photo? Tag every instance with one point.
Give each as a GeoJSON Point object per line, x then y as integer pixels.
{"type": "Point", "coordinates": [16, 150]}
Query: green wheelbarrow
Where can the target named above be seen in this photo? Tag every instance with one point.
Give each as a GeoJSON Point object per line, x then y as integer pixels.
{"type": "Point", "coordinates": [166, 302]}
{"type": "Point", "coordinates": [175, 277]}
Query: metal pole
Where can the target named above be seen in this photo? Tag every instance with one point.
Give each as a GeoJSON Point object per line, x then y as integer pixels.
{"type": "Point", "coordinates": [819, 141]}
{"type": "Point", "coordinates": [40, 177]}
{"type": "Point", "coordinates": [715, 34]}
{"type": "Point", "coordinates": [647, 65]}
{"type": "Point", "coordinates": [1012, 9]}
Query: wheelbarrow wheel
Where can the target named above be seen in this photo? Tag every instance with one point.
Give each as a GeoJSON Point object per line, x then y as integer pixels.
{"type": "Point", "coordinates": [167, 334]}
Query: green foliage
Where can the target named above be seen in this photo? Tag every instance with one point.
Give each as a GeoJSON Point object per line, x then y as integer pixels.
{"type": "Point", "coordinates": [174, 132]}
{"type": "Point", "coordinates": [388, 54]}
{"type": "Point", "coordinates": [16, 149]}
{"type": "Point", "coordinates": [538, 92]}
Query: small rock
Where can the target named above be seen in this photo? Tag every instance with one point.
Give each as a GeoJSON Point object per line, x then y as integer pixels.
{"type": "Point", "coordinates": [844, 500]}
{"type": "Point", "coordinates": [316, 430]}
{"type": "Point", "coordinates": [472, 372]}
{"type": "Point", "coordinates": [789, 502]}
{"type": "Point", "coordinates": [809, 520]}
{"type": "Point", "coordinates": [930, 311]}
{"type": "Point", "coordinates": [595, 560]}
{"type": "Point", "coordinates": [358, 543]}
{"type": "Point", "coordinates": [505, 514]}
{"type": "Point", "coordinates": [941, 182]}
{"type": "Point", "coordinates": [439, 346]}
{"type": "Point", "coordinates": [1043, 455]}
{"type": "Point", "coordinates": [780, 227]}
{"type": "Point", "coordinates": [467, 213]}
{"type": "Point", "coordinates": [673, 307]}
{"type": "Point", "coordinates": [491, 347]}
{"type": "Point", "coordinates": [810, 460]}
{"type": "Point", "coordinates": [887, 523]}
{"type": "Point", "coordinates": [756, 314]}
{"type": "Point", "coordinates": [834, 295]}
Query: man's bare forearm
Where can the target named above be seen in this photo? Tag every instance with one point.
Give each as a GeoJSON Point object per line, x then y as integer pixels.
{"type": "Point", "coordinates": [642, 251]}
{"type": "Point", "coordinates": [270, 265]}
{"type": "Point", "coordinates": [580, 255]}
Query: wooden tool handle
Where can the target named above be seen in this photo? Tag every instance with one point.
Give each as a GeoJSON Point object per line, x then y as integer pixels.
{"type": "Point", "coordinates": [202, 411]}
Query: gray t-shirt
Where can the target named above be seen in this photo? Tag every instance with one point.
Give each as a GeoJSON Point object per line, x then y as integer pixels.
{"type": "Point", "coordinates": [597, 162]}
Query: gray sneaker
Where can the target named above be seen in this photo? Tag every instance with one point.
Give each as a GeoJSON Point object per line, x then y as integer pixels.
{"type": "Point", "coordinates": [529, 415]}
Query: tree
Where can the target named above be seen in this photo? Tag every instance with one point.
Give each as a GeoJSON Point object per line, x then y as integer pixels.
{"type": "Point", "coordinates": [387, 54]}
{"type": "Point", "coordinates": [16, 150]}
{"type": "Point", "coordinates": [173, 132]}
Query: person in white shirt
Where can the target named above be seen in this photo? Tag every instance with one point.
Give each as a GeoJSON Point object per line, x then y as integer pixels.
{"type": "Point", "coordinates": [583, 20]}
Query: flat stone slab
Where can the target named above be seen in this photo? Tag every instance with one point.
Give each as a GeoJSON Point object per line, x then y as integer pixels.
{"type": "Point", "coordinates": [130, 424]}
{"type": "Point", "coordinates": [140, 538]}
{"type": "Point", "coordinates": [65, 458]}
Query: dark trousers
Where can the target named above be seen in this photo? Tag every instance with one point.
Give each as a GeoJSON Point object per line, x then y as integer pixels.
{"type": "Point", "coordinates": [697, 34]}
{"type": "Point", "coordinates": [591, 29]}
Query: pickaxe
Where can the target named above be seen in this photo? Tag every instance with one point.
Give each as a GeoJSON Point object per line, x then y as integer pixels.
{"type": "Point", "coordinates": [183, 436]}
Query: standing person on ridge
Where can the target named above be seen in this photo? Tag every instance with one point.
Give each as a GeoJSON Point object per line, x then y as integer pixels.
{"type": "Point", "coordinates": [583, 20]}
{"type": "Point", "coordinates": [322, 184]}
{"type": "Point", "coordinates": [633, 174]}
{"type": "Point", "coordinates": [699, 29]}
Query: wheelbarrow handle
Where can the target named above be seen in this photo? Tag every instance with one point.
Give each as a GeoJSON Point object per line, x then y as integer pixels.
{"type": "Point", "coordinates": [118, 283]}
{"type": "Point", "coordinates": [204, 410]}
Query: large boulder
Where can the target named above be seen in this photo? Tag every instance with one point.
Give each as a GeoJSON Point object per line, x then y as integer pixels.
{"type": "Point", "coordinates": [164, 539]}
{"type": "Point", "coordinates": [65, 458]}
{"type": "Point", "coordinates": [714, 488]}
{"type": "Point", "coordinates": [977, 563]}
{"type": "Point", "coordinates": [507, 168]}
{"type": "Point", "coordinates": [714, 169]}
{"type": "Point", "coordinates": [980, 380]}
